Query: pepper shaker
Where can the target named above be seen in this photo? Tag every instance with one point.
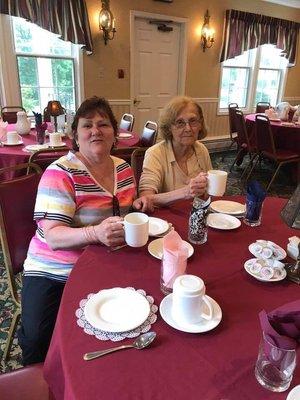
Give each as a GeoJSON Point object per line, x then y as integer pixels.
{"type": "Point", "coordinates": [197, 221]}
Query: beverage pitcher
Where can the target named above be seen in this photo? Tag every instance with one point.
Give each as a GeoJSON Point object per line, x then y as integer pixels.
{"type": "Point", "coordinates": [22, 124]}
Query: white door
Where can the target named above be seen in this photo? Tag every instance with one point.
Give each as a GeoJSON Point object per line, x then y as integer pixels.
{"type": "Point", "coordinates": [156, 69]}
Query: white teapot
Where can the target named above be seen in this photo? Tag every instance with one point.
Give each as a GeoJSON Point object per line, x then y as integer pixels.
{"type": "Point", "coordinates": [23, 123]}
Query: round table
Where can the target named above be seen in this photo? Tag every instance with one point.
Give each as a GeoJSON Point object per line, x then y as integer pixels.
{"type": "Point", "coordinates": [216, 365]}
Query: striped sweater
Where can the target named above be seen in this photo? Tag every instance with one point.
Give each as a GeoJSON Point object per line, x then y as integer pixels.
{"type": "Point", "coordinates": [68, 193]}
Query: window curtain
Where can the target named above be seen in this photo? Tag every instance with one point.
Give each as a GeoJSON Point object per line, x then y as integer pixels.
{"type": "Point", "coordinates": [69, 19]}
{"type": "Point", "coordinates": [244, 31]}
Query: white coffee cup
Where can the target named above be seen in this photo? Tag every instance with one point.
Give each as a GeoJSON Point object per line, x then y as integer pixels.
{"type": "Point", "coordinates": [216, 182]}
{"type": "Point", "coordinates": [136, 227]}
{"type": "Point", "coordinates": [55, 139]}
{"type": "Point", "coordinates": [12, 137]}
{"type": "Point", "coordinates": [189, 300]}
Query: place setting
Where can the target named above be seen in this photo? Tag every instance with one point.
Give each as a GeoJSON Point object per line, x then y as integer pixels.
{"type": "Point", "coordinates": [124, 135]}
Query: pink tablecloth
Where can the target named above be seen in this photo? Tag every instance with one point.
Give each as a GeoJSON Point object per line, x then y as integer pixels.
{"type": "Point", "coordinates": [217, 365]}
{"type": "Point", "coordinates": [286, 137]}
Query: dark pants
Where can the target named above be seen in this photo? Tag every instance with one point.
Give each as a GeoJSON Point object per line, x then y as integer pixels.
{"type": "Point", "coordinates": [40, 302]}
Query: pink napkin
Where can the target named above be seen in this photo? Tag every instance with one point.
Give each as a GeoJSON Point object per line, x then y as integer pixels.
{"type": "Point", "coordinates": [175, 254]}
{"type": "Point", "coordinates": [282, 326]}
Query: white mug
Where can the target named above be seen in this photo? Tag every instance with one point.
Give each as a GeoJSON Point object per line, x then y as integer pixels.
{"type": "Point", "coordinates": [136, 227]}
{"type": "Point", "coordinates": [189, 300]}
{"type": "Point", "coordinates": [216, 182]}
{"type": "Point", "coordinates": [55, 139]}
{"type": "Point", "coordinates": [12, 137]}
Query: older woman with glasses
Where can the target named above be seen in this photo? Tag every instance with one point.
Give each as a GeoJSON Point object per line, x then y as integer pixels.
{"type": "Point", "coordinates": [176, 168]}
{"type": "Point", "coordinates": [79, 202]}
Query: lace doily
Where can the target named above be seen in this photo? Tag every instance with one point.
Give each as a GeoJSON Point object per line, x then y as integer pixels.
{"type": "Point", "coordinates": [115, 337]}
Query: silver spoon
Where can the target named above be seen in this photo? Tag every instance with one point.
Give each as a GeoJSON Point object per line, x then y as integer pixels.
{"type": "Point", "coordinates": [140, 343]}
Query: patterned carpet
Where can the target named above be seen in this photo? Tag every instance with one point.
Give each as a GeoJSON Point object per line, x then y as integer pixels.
{"type": "Point", "coordinates": [283, 187]}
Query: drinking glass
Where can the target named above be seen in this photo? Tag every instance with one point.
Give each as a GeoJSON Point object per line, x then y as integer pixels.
{"type": "Point", "coordinates": [274, 366]}
{"type": "Point", "coordinates": [253, 212]}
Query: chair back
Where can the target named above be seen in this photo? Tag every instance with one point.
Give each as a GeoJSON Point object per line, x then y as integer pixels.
{"type": "Point", "coordinates": [123, 152]}
{"type": "Point", "coordinates": [9, 113]}
{"type": "Point", "coordinates": [231, 113]}
{"type": "Point", "coordinates": [17, 201]}
{"type": "Point", "coordinates": [241, 130]}
{"type": "Point", "coordinates": [45, 157]}
{"type": "Point", "coordinates": [137, 160]}
{"type": "Point", "coordinates": [264, 135]}
{"type": "Point", "coordinates": [127, 122]}
{"type": "Point", "coordinates": [148, 137]}
{"type": "Point", "coordinates": [262, 106]}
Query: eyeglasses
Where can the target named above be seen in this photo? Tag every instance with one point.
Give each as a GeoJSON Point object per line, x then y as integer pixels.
{"type": "Point", "coordinates": [116, 206]}
{"type": "Point", "coordinates": [181, 123]}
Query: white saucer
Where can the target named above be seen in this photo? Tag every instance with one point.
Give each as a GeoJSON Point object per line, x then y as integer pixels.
{"type": "Point", "coordinates": [57, 145]}
{"type": "Point", "coordinates": [228, 207]}
{"type": "Point", "coordinates": [261, 278]}
{"type": "Point", "coordinates": [223, 221]}
{"type": "Point", "coordinates": [157, 226]}
{"type": "Point", "coordinates": [124, 135]}
{"type": "Point", "coordinates": [294, 394]}
{"type": "Point", "coordinates": [117, 310]}
{"type": "Point", "coordinates": [20, 141]}
{"type": "Point", "coordinates": [275, 119]}
{"type": "Point", "coordinates": [200, 327]}
{"type": "Point", "coordinates": [281, 252]}
{"type": "Point", "coordinates": [36, 147]}
{"type": "Point", "coordinates": [155, 248]}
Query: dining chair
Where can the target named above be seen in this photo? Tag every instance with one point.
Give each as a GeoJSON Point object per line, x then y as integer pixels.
{"type": "Point", "coordinates": [262, 106]}
{"type": "Point", "coordinates": [127, 122]}
{"type": "Point", "coordinates": [149, 134]}
{"type": "Point", "coordinates": [137, 160]}
{"type": "Point", "coordinates": [49, 155]}
{"type": "Point", "coordinates": [267, 149]}
{"type": "Point", "coordinates": [232, 128]}
{"type": "Point", "coordinates": [123, 152]}
{"type": "Point", "coordinates": [25, 383]}
{"type": "Point", "coordinates": [9, 113]}
{"type": "Point", "coordinates": [245, 142]}
{"type": "Point", "coordinates": [17, 200]}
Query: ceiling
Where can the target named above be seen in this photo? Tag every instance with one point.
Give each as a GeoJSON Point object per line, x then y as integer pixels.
{"type": "Point", "coordinates": [288, 3]}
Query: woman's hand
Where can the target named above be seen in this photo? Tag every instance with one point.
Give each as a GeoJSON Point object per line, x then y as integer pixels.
{"type": "Point", "coordinates": [110, 231]}
{"type": "Point", "coordinates": [144, 203]}
{"type": "Point", "coordinates": [198, 185]}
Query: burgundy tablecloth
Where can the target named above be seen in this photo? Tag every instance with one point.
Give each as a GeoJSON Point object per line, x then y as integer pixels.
{"type": "Point", "coordinates": [217, 365]}
{"type": "Point", "coordinates": [286, 137]}
{"type": "Point", "coordinates": [13, 155]}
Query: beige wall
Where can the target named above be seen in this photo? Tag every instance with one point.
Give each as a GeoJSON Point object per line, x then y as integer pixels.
{"type": "Point", "coordinates": [203, 69]}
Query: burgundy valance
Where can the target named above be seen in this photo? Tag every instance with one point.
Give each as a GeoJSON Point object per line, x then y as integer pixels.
{"type": "Point", "coordinates": [69, 19]}
{"type": "Point", "coordinates": [244, 31]}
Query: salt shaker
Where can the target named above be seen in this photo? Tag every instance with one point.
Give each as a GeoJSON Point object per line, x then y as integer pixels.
{"type": "Point", "coordinates": [197, 221]}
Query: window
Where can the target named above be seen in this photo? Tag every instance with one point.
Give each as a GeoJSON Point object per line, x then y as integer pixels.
{"type": "Point", "coordinates": [256, 75]}
{"type": "Point", "coordinates": [38, 66]}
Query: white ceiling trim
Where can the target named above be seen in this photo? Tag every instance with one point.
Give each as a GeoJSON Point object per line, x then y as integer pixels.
{"type": "Point", "coordinates": [287, 3]}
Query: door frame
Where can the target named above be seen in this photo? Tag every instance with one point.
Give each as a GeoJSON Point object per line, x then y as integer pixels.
{"type": "Point", "coordinates": [183, 22]}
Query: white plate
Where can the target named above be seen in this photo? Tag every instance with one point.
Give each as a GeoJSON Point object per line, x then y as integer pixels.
{"type": "Point", "coordinates": [223, 221]}
{"type": "Point", "coordinates": [117, 310]}
{"type": "Point", "coordinates": [294, 394]}
{"type": "Point", "coordinates": [36, 147]}
{"type": "Point", "coordinates": [202, 326]}
{"type": "Point", "coordinates": [57, 145]}
{"type": "Point", "coordinates": [260, 278]}
{"type": "Point", "coordinates": [280, 250]}
{"type": "Point", "coordinates": [155, 248]}
{"type": "Point", "coordinates": [157, 226]}
{"type": "Point", "coordinates": [228, 207]}
{"type": "Point", "coordinates": [124, 135]}
{"type": "Point", "coordinates": [20, 141]}
{"type": "Point", "coordinates": [275, 119]}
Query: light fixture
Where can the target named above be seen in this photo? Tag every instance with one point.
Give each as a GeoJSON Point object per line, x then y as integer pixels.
{"type": "Point", "coordinates": [54, 108]}
{"type": "Point", "coordinates": [106, 22]}
{"type": "Point", "coordinates": [207, 34]}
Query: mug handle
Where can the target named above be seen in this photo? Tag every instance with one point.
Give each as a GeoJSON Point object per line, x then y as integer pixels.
{"type": "Point", "coordinates": [208, 316]}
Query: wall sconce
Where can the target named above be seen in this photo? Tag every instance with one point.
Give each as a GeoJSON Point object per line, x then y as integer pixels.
{"type": "Point", "coordinates": [207, 34]}
{"type": "Point", "coordinates": [106, 22]}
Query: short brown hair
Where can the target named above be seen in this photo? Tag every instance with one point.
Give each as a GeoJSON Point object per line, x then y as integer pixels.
{"type": "Point", "coordinates": [170, 112]}
{"type": "Point", "coordinates": [88, 108]}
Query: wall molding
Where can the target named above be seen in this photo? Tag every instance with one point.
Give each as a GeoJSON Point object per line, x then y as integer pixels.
{"type": "Point", "coordinates": [119, 102]}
